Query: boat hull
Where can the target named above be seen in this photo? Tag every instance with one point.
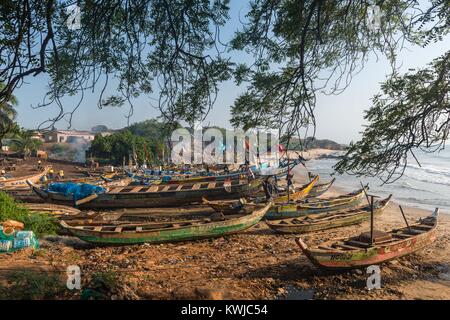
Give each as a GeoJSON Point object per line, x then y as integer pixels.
{"type": "Point", "coordinates": [189, 233]}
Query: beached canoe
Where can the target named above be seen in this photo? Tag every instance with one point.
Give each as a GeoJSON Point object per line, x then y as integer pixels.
{"type": "Point", "coordinates": [161, 232]}
{"type": "Point", "coordinates": [236, 206]}
{"type": "Point", "coordinates": [358, 252]}
{"type": "Point", "coordinates": [320, 188]}
{"type": "Point", "coordinates": [52, 209]}
{"type": "Point", "coordinates": [323, 221]}
{"type": "Point", "coordinates": [154, 196]}
{"type": "Point", "coordinates": [316, 205]}
{"type": "Point", "coordinates": [21, 182]}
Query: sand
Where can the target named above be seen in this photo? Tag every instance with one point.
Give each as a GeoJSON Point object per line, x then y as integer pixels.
{"type": "Point", "coordinates": [256, 264]}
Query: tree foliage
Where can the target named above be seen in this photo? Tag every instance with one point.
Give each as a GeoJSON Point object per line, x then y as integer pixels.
{"type": "Point", "coordinates": [303, 48]}
{"type": "Point", "coordinates": [24, 142]}
{"type": "Point", "coordinates": [119, 146]}
{"type": "Point", "coordinates": [412, 112]}
{"type": "Point", "coordinates": [146, 46]}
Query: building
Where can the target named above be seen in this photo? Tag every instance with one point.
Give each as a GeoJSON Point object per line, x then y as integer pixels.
{"type": "Point", "coordinates": [68, 136]}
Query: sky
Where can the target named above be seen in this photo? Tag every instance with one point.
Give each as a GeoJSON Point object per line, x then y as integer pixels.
{"type": "Point", "coordinates": [338, 117]}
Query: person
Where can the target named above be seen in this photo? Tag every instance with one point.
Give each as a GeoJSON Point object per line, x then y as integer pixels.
{"type": "Point", "coordinates": [3, 175]}
{"type": "Point", "coordinates": [61, 174]}
{"type": "Point", "coordinates": [50, 173]}
{"type": "Point", "coordinates": [39, 166]}
{"type": "Point", "coordinates": [226, 169]}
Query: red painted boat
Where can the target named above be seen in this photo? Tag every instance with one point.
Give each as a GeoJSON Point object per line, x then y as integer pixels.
{"type": "Point", "coordinates": [358, 252]}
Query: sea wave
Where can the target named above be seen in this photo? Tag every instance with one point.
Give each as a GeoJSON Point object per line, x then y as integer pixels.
{"type": "Point", "coordinates": [430, 174]}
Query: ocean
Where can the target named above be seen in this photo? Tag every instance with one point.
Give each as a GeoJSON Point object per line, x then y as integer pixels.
{"type": "Point", "coordinates": [426, 186]}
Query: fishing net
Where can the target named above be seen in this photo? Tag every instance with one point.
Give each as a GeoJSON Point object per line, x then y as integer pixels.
{"type": "Point", "coordinates": [77, 190]}
{"type": "Point", "coordinates": [17, 240]}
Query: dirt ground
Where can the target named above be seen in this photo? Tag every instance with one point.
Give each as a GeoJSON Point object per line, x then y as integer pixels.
{"type": "Point", "coordinates": [256, 264]}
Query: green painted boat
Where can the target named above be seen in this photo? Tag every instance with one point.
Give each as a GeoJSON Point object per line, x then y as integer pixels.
{"type": "Point", "coordinates": [141, 196]}
{"type": "Point", "coordinates": [172, 231]}
{"type": "Point", "coordinates": [311, 206]}
{"type": "Point", "coordinates": [360, 251]}
{"type": "Point", "coordinates": [323, 221]}
{"type": "Point", "coordinates": [237, 206]}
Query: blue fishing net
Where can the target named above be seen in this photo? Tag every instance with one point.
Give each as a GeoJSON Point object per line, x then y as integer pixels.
{"type": "Point", "coordinates": [77, 190]}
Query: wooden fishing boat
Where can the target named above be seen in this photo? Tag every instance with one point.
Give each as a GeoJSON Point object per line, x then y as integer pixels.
{"type": "Point", "coordinates": [358, 252]}
{"type": "Point", "coordinates": [236, 206]}
{"type": "Point", "coordinates": [161, 232]}
{"type": "Point", "coordinates": [53, 209]}
{"type": "Point", "coordinates": [315, 205]}
{"type": "Point", "coordinates": [21, 182]}
{"type": "Point", "coordinates": [154, 196]}
{"type": "Point", "coordinates": [320, 189]}
{"type": "Point", "coordinates": [323, 221]}
{"type": "Point", "coordinates": [23, 195]}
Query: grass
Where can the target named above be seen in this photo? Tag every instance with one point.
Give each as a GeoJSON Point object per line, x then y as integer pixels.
{"type": "Point", "coordinates": [39, 223]}
{"type": "Point", "coordinates": [101, 285]}
{"type": "Point", "coordinates": [32, 285]}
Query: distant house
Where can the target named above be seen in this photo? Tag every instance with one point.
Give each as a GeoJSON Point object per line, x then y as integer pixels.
{"type": "Point", "coordinates": [68, 136]}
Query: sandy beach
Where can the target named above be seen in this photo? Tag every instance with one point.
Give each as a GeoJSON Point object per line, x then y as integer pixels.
{"type": "Point", "coordinates": [256, 264]}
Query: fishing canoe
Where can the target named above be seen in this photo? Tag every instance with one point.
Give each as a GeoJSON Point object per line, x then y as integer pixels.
{"type": "Point", "coordinates": [161, 232]}
{"type": "Point", "coordinates": [21, 182]}
{"type": "Point", "coordinates": [154, 196]}
{"type": "Point", "coordinates": [358, 252]}
{"type": "Point", "coordinates": [236, 206]}
{"type": "Point", "coordinates": [311, 206]}
{"type": "Point", "coordinates": [323, 221]}
{"type": "Point", "coordinates": [52, 209]}
{"type": "Point", "coordinates": [320, 189]}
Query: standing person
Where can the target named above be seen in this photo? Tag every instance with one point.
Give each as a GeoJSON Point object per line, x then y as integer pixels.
{"type": "Point", "coordinates": [60, 175]}
{"type": "Point", "coordinates": [51, 173]}
{"type": "Point", "coordinates": [39, 166]}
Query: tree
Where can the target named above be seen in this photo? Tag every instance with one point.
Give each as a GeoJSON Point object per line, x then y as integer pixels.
{"type": "Point", "coordinates": [24, 143]}
{"type": "Point", "coordinates": [7, 115]}
{"type": "Point", "coordinates": [171, 47]}
{"type": "Point", "coordinates": [117, 146]}
{"type": "Point", "coordinates": [412, 112]}
{"type": "Point", "coordinates": [302, 48]}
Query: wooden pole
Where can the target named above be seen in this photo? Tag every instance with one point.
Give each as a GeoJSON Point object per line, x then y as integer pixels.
{"type": "Point", "coordinates": [288, 178]}
{"type": "Point", "coordinates": [371, 220]}
{"type": "Point", "coordinates": [364, 189]}
{"type": "Point", "coordinates": [404, 217]}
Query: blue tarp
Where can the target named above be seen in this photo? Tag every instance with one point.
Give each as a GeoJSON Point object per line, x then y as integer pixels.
{"type": "Point", "coordinates": [77, 190]}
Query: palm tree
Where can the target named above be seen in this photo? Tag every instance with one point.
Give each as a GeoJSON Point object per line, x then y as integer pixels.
{"type": "Point", "coordinates": [23, 142]}
{"type": "Point", "coordinates": [7, 115]}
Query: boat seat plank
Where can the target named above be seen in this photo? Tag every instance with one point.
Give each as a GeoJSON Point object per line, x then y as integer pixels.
{"type": "Point", "coordinates": [179, 187]}
{"type": "Point", "coordinates": [196, 186]}
{"type": "Point", "coordinates": [327, 248]}
{"type": "Point", "coordinates": [166, 188]}
{"type": "Point", "coordinates": [211, 185]}
{"type": "Point", "coordinates": [118, 229]}
{"type": "Point", "coordinates": [153, 189]}
{"type": "Point", "coordinates": [357, 243]}
{"type": "Point", "coordinates": [345, 246]}
{"type": "Point", "coordinates": [137, 189]}
{"type": "Point", "coordinates": [98, 228]}
{"type": "Point", "coordinates": [138, 229]}
{"type": "Point", "coordinates": [116, 190]}
{"type": "Point", "coordinates": [402, 235]}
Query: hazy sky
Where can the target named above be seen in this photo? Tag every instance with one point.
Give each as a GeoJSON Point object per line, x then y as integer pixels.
{"type": "Point", "coordinates": [339, 118]}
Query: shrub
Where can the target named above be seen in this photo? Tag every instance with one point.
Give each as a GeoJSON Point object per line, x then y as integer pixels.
{"type": "Point", "coordinates": [39, 223]}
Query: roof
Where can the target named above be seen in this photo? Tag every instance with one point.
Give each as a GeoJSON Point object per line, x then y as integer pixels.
{"type": "Point", "coordinates": [72, 132]}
